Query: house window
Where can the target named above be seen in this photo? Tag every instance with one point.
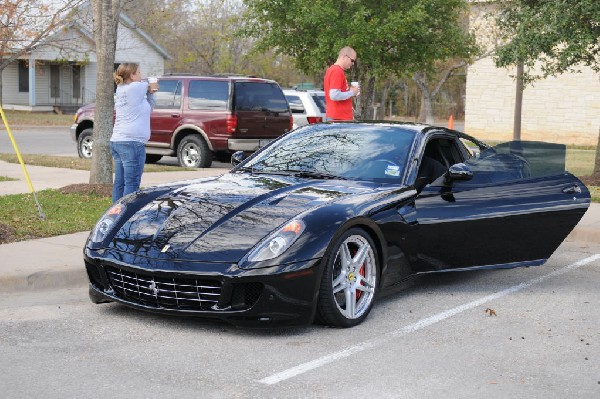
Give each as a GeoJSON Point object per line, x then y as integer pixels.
{"type": "Point", "coordinates": [23, 77]}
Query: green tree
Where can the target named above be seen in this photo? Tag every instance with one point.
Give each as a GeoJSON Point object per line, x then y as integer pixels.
{"type": "Point", "coordinates": [390, 37]}
{"type": "Point", "coordinates": [555, 36]}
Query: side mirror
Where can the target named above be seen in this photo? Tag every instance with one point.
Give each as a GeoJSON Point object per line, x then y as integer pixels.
{"type": "Point", "coordinates": [237, 158]}
{"type": "Point", "coordinates": [459, 172]}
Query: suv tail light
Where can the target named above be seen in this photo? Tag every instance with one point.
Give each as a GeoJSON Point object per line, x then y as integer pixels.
{"type": "Point", "coordinates": [291, 122]}
{"type": "Point", "coordinates": [231, 123]}
{"type": "Point", "coordinates": [314, 119]}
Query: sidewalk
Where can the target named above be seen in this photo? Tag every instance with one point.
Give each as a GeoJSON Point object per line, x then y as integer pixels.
{"type": "Point", "coordinates": [57, 262]}
{"type": "Point", "coordinates": [43, 177]}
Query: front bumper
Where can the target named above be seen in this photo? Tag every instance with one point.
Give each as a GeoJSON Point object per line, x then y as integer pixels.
{"type": "Point", "coordinates": [280, 296]}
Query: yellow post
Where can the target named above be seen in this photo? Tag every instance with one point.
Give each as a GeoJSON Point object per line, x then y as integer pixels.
{"type": "Point", "coordinates": [14, 143]}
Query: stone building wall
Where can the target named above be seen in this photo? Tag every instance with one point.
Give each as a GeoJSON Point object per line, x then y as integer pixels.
{"type": "Point", "coordinates": [563, 109]}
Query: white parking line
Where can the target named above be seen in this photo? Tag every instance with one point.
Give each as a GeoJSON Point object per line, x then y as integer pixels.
{"type": "Point", "coordinates": [313, 364]}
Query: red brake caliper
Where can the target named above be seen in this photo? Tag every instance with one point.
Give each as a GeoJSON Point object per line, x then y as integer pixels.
{"type": "Point", "coordinates": [361, 272]}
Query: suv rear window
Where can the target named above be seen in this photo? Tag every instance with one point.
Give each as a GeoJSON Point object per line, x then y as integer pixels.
{"type": "Point", "coordinates": [295, 104]}
{"type": "Point", "coordinates": [258, 96]}
{"type": "Point", "coordinates": [319, 99]}
{"type": "Point", "coordinates": [168, 95]}
{"type": "Point", "coordinates": [208, 95]}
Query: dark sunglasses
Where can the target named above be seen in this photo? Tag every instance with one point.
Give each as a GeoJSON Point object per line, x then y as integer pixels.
{"type": "Point", "coordinates": [352, 60]}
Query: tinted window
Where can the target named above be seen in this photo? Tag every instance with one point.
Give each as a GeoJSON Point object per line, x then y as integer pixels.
{"type": "Point", "coordinates": [517, 160]}
{"type": "Point", "coordinates": [258, 96]}
{"type": "Point", "coordinates": [319, 99]}
{"type": "Point", "coordinates": [375, 153]}
{"type": "Point", "coordinates": [295, 104]}
{"type": "Point", "coordinates": [168, 95]}
{"type": "Point", "coordinates": [208, 94]}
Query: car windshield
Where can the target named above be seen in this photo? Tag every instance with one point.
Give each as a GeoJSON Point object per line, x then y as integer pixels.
{"type": "Point", "coordinates": [347, 151]}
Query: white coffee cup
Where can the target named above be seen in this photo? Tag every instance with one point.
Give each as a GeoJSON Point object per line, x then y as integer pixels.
{"type": "Point", "coordinates": [153, 83]}
{"type": "Point", "coordinates": [356, 84]}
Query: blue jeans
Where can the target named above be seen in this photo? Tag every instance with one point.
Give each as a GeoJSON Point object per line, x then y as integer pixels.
{"type": "Point", "coordinates": [130, 157]}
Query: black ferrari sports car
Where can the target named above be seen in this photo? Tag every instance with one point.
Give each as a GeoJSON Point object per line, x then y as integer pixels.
{"type": "Point", "coordinates": [319, 222]}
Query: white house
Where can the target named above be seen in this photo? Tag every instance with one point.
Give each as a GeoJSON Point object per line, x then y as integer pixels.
{"type": "Point", "coordinates": [61, 72]}
{"type": "Point", "coordinates": [563, 109]}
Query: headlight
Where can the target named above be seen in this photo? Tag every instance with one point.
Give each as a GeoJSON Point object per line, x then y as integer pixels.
{"type": "Point", "coordinates": [278, 242]}
{"type": "Point", "coordinates": [106, 223]}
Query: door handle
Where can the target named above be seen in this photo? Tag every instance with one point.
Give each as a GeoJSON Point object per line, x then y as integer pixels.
{"type": "Point", "coordinates": [174, 115]}
{"type": "Point", "coordinates": [572, 189]}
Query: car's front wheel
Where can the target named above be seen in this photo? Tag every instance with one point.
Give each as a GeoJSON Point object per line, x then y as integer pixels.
{"type": "Point", "coordinates": [193, 152]}
{"type": "Point", "coordinates": [350, 280]}
{"type": "Point", "coordinates": [85, 143]}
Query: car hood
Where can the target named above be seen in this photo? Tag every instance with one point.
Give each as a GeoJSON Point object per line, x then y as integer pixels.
{"type": "Point", "coordinates": [220, 220]}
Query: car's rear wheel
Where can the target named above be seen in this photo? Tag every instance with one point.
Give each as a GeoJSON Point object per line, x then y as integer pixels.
{"type": "Point", "coordinates": [193, 152]}
{"type": "Point", "coordinates": [85, 143]}
{"type": "Point", "coordinates": [153, 158]}
{"type": "Point", "coordinates": [349, 282]}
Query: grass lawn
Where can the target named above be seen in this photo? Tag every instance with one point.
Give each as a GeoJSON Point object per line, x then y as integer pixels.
{"type": "Point", "coordinates": [20, 220]}
{"type": "Point", "coordinates": [26, 118]}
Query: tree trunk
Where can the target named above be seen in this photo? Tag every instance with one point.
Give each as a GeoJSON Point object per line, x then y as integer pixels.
{"type": "Point", "coordinates": [365, 100]}
{"type": "Point", "coordinates": [106, 14]}
{"type": "Point", "coordinates": [426, 110]}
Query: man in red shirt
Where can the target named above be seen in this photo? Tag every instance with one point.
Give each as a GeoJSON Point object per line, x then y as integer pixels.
{"type": "Point", "coordinates": [338, 95]}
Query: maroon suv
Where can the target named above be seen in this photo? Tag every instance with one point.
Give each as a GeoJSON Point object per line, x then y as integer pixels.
{"type": "Point", "coordinates": [197, 118]}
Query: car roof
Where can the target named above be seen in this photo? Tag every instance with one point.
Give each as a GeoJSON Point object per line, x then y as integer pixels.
{"type": "Point", "coordinates": [299, 92]}
{"type": "Point", "coordinates": [218, 77]}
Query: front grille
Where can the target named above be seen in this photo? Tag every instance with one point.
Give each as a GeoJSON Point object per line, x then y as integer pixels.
{"type": "Point", "coordinates": [162, 292]}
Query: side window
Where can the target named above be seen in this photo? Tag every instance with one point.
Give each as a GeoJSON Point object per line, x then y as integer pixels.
{"type": "Point", "coordinates": [259, 96]}
{"type": "Point", "coordinates": [208, 95]}
{"type": "Point", "coordinates": [295, 104]}
{"type": "Point", "coordinates": [517, 160]}
{"type": "Point", "coordinates": [440, 153]}
{"type": "Point", "coordinates": [168, 95]}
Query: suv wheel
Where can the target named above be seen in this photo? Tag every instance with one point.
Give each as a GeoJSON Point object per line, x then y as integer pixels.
{"type": "Point", "coordinates": [85, 142]}
{"type": "Point", "coordinates": [193, 152]}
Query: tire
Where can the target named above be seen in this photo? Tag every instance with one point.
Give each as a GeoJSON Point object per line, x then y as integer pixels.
{"type": "Point", "coordinates": [85, 144]}
{"type": "Point", "coordinates": [192, 152]}
{"type": "Point", "coordinates": [153, 158]}
{"type": "Point", "coordinates": [350, 280]}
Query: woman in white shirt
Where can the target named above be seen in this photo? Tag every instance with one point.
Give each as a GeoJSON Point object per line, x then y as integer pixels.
{"type": "Point", "coordinates": [133, 103]}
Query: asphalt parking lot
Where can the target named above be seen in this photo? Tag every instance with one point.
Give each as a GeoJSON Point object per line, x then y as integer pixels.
{"type": "Point", "coordinates": [433, 337]}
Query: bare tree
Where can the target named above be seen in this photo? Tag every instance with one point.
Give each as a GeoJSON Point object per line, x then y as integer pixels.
{"type": "Point", "coordinates": [26, 24]}
{"type": "Point", "coordinates": [106, 18]}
